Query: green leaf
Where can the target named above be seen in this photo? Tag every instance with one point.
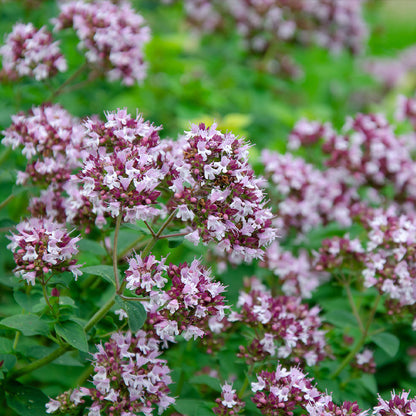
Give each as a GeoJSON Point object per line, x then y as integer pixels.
{"type": "Point", "coordinates": [5, 345]}
{"type": "Point", "coordinates": [369, 382]}
{"type": "Point", "coordinates": [25, 400]}
{"type": "Point", "coordinates": [106, 272]}
{"type": "Point", "coordinates": [9, 361]}
{"type": "Point", "coordinates": [135, 312]}
{"type": "Point", "coordinates": [68, 360]}
{"type": "Point", "coordinates": [73, 334]}
{"type": "Point", "coordinates": [387, 342]}
{"type": "Point", "coordinates": [27, 324]}
{"type": "Point", "coordinates": [92, 247]}
{"type": "Point", "coordinates": [340, 318]}
{"type": "Point", "coordinates": [208, 381]}
{"type": "Point", "coordinates": [193, 407]}
{"type": "Point", "coordinates": [27, 301]}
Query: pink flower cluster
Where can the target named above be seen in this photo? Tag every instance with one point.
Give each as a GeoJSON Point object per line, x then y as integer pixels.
{"type": "Point", "coordinates": [229, 404]}
{"type": "Point", "coordinates": [387, 262]}
{"type": "Point", "coordinates": [297, 275]}
{"type": "Point", "coordinates": [41, 246]}
{"type": "Point", "coordinates": [368, 153]}
{"type": "Point", "coordinates": [392, 71]}
{"type": "Point", "coordinates": [191, 305]}
{"type": "Point", "coordinates": [284, 327]}
{"type": "Point", "coordinates": [52, 141]}
{"type": "Point", "coordinates": [364, 361]}
{"type": "Point", "coordinates": [217, 194]}
{"type": "Point", "coordinates": [269, 26]}
{"type": "Point", "coordinates": [399, 404]}
{"type": "Point", "coordinates": [372, 154]}
{"type": "Point", "coordinates": [113, 36]}
{"type": "Point", "coordinates": [31, 52]}
{"type": "Point", "coordinates": [129, 379]}
{"type": "Point", "coordinates": [283, 391]}
{"type": "Point", "coordinates": [306, 197]}
{"type": "Point", "coordinates": [406, 110]}
{"type": "Point", "coordinates": [306, 132]}
{"type": "Point", "coordinates": [390, 263]}
{"type": "Point", "coordinates": [120, 172]}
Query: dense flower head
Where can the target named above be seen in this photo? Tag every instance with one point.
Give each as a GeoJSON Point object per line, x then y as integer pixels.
{"type": "Point", "coordinates": [285, 327]}
{"type": "Point", "coordinates": [217, 194]}
{"type": "Point", "coordinates": [399, 404]}
{"type": "Point", "coordinates": [373, 155]}
{"type": "Point", "coordinates": [391, 256]}
{"type": "Point", "coordinates": [392, 71]}
{"type": "Point", "coordinates": [129, 379]}
{"type": "Point", "coordinates": [337, 253]}
{"type": "Point", "coordinates": [31, 52]}
{"type": "Point", "coordinates": [305, 196]}
{"type": "Point", "coordinates": [307, 132]}
{"type": "Point", "coordinates": [41, 246]}
{"type": "Point", "coordinates": [280, 392]}
{"type": "Point", "coordinates": [113, 36]}
{"type": "Point", "coordinates": [284, 391]}
{"type": "Point", "coordinates": [229, 402]}
{"type": "Point", "coordinates": [268, 27]}
{"type": "Point", "coordinates": [298, 276]}
{"type": "Point", "coordinates": [120, 173]}
{"type": "Point", "coordinates": [387, 260]}
{"type": "Point", "coordinates": [52, 142]}
{"type": "Point", "coordinates": [183, 300]}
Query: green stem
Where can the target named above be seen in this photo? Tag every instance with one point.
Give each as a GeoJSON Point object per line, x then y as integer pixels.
{"type": "Point", "coordinates": [16, 340]}
{"type": "Point", "coordinates": [84, 375]}
{"type": "Point", "coordinates": [100, 313]}
{"type": "Point", "coordinates": [172, 235]}
{"type": "Point", "coordinates": [361, 341]}
{"type": "Point", "coordinates": [243, 387]}
{"type": "Point", "coordinates": [61, 88]}
{"type": "Point", "coordinates": [354, 307]}
{"type": "Point", "coordinates": [149, 228]}
{"type": "Point", "coordinates": [134, 299]}
{"type": "Point", "coordinates": [115, 260]}
{"type": "Point", "coordinates": [5, 155]}
{"type": "Point", "coordinates": [6, 201]}
{"type": "Point", "coordinates": [64, 348]}
{"type": "Point", "coordinates": [156, 237]}
{"type": "Point", "coordinates": [45, 295]}
{"type": "Point", "coordinates": [40, 363]}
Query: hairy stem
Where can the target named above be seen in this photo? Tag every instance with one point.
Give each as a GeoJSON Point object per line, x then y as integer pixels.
{"type": "Point", "coordinates": [360, 342]}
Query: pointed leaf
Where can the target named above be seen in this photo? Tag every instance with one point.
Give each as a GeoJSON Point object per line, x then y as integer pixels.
{"type": "Point", "coordinates": [27, 324]}
{"type": "Point", "coordinates": [73, 334]}
{"type": "Point", "coordinates": [387, 342]}
{"type": "Point", "coordinates": [106, 272]}
{"type": "Point", "coordinates": [135, 312]}
{"type": "Point", "coordinates": [25, 400]}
